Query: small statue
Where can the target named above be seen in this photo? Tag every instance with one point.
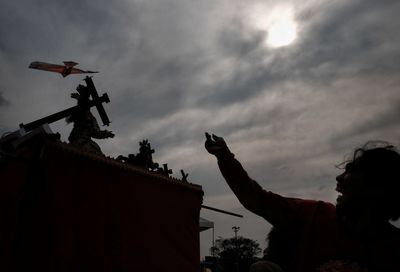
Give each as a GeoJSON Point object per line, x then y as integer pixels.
{"type": "Point", "coordinates": [143, 159]}
{"type": "Point", "coordinates": [85, 124]}
{"type": "Point", "coordinates": [165, 171]}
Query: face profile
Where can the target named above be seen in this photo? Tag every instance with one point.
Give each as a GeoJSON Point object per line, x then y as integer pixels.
{"type": "Point", "coordinates": [350, 185]}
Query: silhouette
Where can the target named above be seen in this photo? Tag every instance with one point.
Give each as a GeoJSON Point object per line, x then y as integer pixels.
{"type": "Point", "coordinates": [280, 248]}
{"type": "Point", "coordinates": [63, 209]}
{"type": "Point", "coordinates": [96, 101]}
{"type": "Point", "coordinates": [165, 171]}
{"type": "Point", "coordinates": [64, 70]}
{"type": "Point", "coordinates": [236, 254]}
{"type": "Point", "coordinates": [184, 176]}
{"type": "Point", "coordinates": [309, 235]}
{"type": "Point", "coordinates": [85, 124]}
{"type": "Point", "coordinates": [143, 159]}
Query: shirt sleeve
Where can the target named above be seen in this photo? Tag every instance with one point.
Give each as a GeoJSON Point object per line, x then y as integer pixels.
{"type": "Point", "coordinates": [276, 209]}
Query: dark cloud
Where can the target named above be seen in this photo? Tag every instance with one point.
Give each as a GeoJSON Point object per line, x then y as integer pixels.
{"type": "Point", "coordinates": [385, 120]}
{"type": "Point", "coordinates": [48, 28]}
{"type": "Point", "coordinates": [240, 40]}
{"type": "Point", "coordinates": [346, 40]}
{"type": "Point", "coordinates": [357, 37]}
{"type": "Point", "coordinates": [3, 100]}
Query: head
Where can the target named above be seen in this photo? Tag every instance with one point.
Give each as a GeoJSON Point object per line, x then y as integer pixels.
{"type": "Point", "coordinates": [82, 94]}
{"type": "Point", "coordinates": [370, 182]}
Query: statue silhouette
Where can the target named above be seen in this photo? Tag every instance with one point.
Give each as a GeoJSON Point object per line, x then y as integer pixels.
{"type": "Point", "coordinates": [143, 159]}
{"type": "Point", "coordinates": [85, 124]}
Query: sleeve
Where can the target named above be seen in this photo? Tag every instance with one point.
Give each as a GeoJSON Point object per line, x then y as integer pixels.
{"type": "Point", "coordinates": [276, 209]}
{"type": "Point", "coordinates": [96, 132]}
{"type": "Point", "coordinates": [100, 134]}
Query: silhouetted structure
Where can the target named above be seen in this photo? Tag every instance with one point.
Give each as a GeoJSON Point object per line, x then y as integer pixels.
{"type": "Point", "coordinates": [165, 171]}
{"type": "Point", "coordinates": [143, 159]}
{"type": "Point", "coordinates": [85, 124]}
{"type": "Point", "coordinates": [96, 101]}
{"type": "Point", "coordinates": [184, 175]}
{"type": "Point", "coordinates": [63, 208]}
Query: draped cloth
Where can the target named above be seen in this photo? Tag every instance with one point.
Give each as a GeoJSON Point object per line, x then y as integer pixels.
{"type": "Point", "coordinates": [65, 209]}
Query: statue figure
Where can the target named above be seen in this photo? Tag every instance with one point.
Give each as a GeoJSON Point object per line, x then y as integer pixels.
{"type": "Point", "coordinates": [165, 171]}
{"type": "Point", "coordinates": [85, 124]}
{"type": "Point", "coordinates": [143, 159]}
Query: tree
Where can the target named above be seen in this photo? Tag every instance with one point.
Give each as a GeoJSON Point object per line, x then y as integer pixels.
{"type": "Point", "coordinates": [236, 254]}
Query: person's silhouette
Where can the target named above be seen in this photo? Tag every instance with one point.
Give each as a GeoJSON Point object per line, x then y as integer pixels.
{"type": "Point", "coordinates": [353, 235]}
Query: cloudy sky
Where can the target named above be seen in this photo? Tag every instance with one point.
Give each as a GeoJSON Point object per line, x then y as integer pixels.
{"type": "Point", "coordinates": [293, 86]}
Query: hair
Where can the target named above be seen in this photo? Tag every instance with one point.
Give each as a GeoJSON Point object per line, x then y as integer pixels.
{"type": "Point", "coordinates": [281, 241]}
{"type": "Point", "coordinates": [380, 163]}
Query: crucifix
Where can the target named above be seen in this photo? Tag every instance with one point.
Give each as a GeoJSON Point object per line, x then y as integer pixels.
{"type": "Point", "coordinates": [95, 101]}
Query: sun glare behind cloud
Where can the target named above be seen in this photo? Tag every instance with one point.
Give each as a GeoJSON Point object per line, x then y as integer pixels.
{"type": "Point", "coordinates": [282, 33]}
{"type": "Point", "coordinates": [278, 23]}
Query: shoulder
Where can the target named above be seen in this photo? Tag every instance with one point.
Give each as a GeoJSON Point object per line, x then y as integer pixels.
{"type": "Point", "coordinates": [314, 209]}
{"type": "Point", "coordinates": [316, 205]}
{"type": "Point", "coordinates": [385, 250]}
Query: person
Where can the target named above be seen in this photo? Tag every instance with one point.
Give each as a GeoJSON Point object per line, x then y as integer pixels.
{"type": "Point", "coordinates": [85, 124]}
{"type": "Point", "coordinates": [309, 235]}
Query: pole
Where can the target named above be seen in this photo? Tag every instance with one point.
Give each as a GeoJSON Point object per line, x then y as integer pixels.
{"type": "Point", "coordinates": [221, 211]}
{"type": "Point", "coordinates": [213, 242]}
{"type": "Point", "coordinates": [62, 114]}
{"type": "Point", "coordinates": [236, 229]}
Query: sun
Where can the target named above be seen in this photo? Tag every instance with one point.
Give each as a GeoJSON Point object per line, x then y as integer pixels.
{"type": "Point", "coordinates": [282, 32]}
{"type": "Point", "coordinates": [278, 23]}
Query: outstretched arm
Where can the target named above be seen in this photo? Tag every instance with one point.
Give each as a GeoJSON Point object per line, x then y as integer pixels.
{"type": "Point", "coordinates": [102, 134]}
{"type": "Point", "coordinates": [97, 133]}
{"type": "Point", "coordinates": [274, 208]}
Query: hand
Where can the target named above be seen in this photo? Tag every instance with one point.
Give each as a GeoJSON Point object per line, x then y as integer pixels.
{"type": "Point", "coordinates": [216, 145]}
{"type": "Point", "coordinates": [110, 134]}
{"type": "Point", "coordinates": [75, 95]}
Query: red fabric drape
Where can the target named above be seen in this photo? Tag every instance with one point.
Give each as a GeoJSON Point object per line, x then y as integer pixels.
{"type": "Point", "coordinates": [63, 209]}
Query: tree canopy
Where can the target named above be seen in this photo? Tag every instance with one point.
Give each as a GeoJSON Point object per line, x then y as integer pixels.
{"type": "Point", "coordinates": [236, 254]}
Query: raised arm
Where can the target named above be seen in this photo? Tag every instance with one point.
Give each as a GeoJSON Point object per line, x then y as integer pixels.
{"type": "Point", "coordinates": [274, 208]}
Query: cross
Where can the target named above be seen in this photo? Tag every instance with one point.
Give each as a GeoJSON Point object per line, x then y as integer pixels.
{"type": "Point", "coordinates": [184, 175]}
{"type": "Point", "coordinates": [96, 101]}
{"type": "Point", "coordinates": [165, 170]}
{"type": "Point", "coordinates": [95, 96]}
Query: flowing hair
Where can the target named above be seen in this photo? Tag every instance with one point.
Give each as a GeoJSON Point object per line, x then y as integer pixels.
{"type": "Point", "coordinates": [379, 161]}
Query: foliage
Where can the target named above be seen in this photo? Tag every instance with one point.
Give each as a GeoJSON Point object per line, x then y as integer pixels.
{"type": "Point", "coordinates": [236, 254]}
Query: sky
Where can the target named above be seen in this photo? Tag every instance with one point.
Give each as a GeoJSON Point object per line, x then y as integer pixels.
{"type": "Point", "coordinates": [292, 86]}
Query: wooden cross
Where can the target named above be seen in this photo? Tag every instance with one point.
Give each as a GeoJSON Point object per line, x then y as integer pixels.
{"type": "Point", "coordinates": [95, 96]}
